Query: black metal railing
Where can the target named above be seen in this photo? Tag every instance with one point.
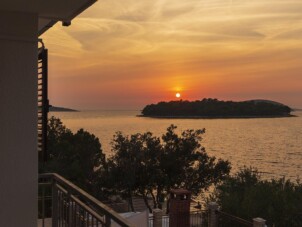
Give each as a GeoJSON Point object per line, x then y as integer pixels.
{"type": "Point", "coordinates": [228, 220]}
{"type": "Point", "coordinates": [66, 205]}
{"type": "Point", "coordinates": [196, 219]}
{"type": "Point", "coordinates": [293, 220]}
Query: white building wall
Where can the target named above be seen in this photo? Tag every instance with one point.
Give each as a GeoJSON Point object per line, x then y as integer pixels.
{"type": "Point", "coordinates": [18, 119]}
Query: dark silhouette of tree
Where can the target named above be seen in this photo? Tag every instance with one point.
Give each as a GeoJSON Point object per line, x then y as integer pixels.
{"type": "Point", "coordinates": [246, 195]}
{"type": "Point", "coordinates": [215, 108]}
{"type": "Point", "coordinates": [134, 167]}
{"type": "Point", "coordinates": [142, 164]}
{"type": "Point", "coordinates": [74, 156]}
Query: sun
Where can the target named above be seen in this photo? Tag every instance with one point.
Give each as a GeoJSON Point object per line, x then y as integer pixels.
{"type": "Point", "coordinates": [177, 95]}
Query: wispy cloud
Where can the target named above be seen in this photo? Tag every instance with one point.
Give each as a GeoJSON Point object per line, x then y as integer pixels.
{"type": "Point", "coordinates": [179, 43]}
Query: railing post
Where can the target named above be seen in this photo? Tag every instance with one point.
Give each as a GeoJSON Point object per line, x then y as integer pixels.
{"type": "Point", "coordinates": [43, 206]}
{"type": "Point", "coordinates": [107, 221]}
{"type": "Point", "coordinates": [54, 204]}
{"type": "Point", "coordinates": [213, 220]}
{"type": "Point", "coordinates": [71, 211]}
{"type": "Point", "coordinates": [258, 222]}
{"type": "Point", "coordinates": [158, 218]}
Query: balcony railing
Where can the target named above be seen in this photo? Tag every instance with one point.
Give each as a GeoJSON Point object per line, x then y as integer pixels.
{"type": "Point", "coordinates": [226, 220]}
{"type": "Point", "coordinates": [218, 218]}
{"type": "Point", "coordinates": [196, 219]}
{"type": "Point", "coordinates": [66, 205]}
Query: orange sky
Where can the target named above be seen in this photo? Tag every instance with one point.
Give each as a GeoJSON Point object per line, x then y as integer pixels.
{"type": "Point", "coordinates": [124, 54]}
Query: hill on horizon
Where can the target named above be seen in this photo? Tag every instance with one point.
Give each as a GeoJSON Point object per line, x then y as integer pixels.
{"type": "Point", "coordinates": [265, 101]}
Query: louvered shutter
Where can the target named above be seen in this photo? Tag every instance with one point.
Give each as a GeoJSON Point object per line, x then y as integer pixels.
{"type": "Point", "coordinates": [43, 103]}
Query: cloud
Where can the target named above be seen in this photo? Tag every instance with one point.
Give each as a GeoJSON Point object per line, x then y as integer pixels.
{"type": "Point", "coordinates": [295, 34]}
{"type": "Point", "coordinates": [168, 43]}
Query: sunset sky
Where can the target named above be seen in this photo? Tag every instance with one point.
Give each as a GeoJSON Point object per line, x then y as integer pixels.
{"type": "Point", "coordinates": [124, 54]}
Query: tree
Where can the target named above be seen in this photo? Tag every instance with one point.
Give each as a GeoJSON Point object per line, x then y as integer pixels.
{"type": "Point", "coordinates": [185, 163]}
{"type": "Point", "coordinates": [143, 164]}
{"type": "Point", "coordinates": [133, 167]}
{"type": "Point", "coordinates": [216, 109]}
{"type": "Point", "coordinates": [74, 156]}
{"type": "Point", "coordinates": [245, 195]}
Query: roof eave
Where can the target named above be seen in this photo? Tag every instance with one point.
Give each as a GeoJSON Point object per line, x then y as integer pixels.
{"type": "Point", "coordinates": [47, 21]}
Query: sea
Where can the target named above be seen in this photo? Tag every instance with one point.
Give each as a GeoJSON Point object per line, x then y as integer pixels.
{"type": "Point", "coordinates": [271, 145]}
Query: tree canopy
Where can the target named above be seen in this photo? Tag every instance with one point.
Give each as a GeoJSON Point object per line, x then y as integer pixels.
{"type": "Point", "coordinates": [143, 164]}
{"type": "Point", "coordinates": [215, 108]}
{"type": "Point", "coordinates": [140, 164]}
{"type": "Point", "coordinates": [75, 156]}
{"type": "Point", "coordinates": [246, 195]}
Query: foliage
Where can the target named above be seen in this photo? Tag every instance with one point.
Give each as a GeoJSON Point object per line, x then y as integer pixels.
{"type": "Point", "coordinates": [215, 108]}
{"type": "Point", "coordinates": [74, 156]}
{"type": "Point", "coordinates": [133, 167]}
{"type": "Point", "coordinates": [143, 164]}
{"type": "Point", "coordinates": [247, 196]}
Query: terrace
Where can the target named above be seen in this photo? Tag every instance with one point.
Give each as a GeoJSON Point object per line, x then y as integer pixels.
{"type": "Point", "coordinates": [63, 204]}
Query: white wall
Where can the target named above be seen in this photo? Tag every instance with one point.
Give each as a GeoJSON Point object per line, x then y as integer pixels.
{"type": "Point", "coordinates": [18, 117]}
{"type": "Point", "coordinates": [140, 219]}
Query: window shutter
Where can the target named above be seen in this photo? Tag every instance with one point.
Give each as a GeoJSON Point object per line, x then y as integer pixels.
{"type": "Point", "coordinates": [43, 103]}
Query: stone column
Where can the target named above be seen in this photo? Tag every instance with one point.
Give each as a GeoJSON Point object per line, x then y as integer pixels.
{"type": "Point", "coordinates": [213, 220]}
{"type": "Point", "coordinates": [18, 119]}
{"type": "Point", "coordinates": [157, 218]}
{"type": "Point", "coordinates": [258, 222]}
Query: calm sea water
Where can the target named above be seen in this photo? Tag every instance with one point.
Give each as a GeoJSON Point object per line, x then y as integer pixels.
{"type": "Point", "coordinates": [272, 145]}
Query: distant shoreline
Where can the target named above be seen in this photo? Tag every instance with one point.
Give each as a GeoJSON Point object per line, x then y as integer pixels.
{"type": "Point", "coordinates": [217, 117]}
{"type": "Point", "coordinates": [61, 109]}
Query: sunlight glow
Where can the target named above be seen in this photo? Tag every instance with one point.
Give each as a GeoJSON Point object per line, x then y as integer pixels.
{"type": "Point", "coordinates": [156, 49]}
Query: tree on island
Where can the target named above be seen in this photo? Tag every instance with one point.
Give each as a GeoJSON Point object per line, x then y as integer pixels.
{"type": "Point", "coordinates": [215, 108]}
{"type": "Point", "coordinates": [142, 164]}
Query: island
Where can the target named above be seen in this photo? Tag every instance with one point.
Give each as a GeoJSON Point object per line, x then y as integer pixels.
{"type": "Point", "coordinates": [61, 109]}
{"type": "Point", "coordinates": [214, 108]}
